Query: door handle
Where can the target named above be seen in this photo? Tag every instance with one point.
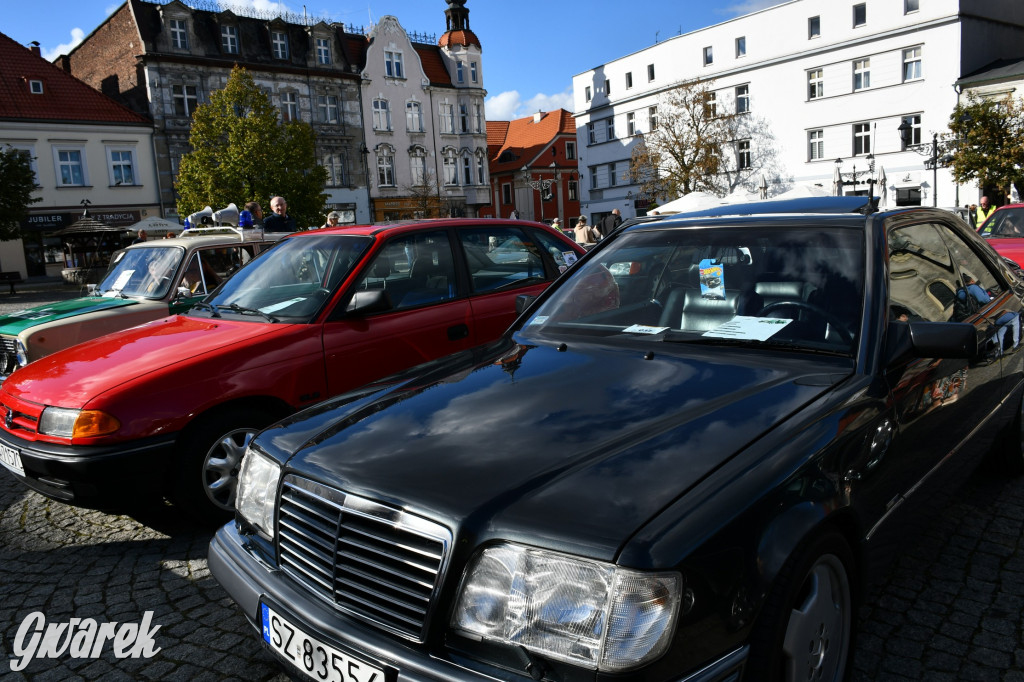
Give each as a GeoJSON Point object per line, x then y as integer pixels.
{"type": "Point", "coordinates": [459, 331]}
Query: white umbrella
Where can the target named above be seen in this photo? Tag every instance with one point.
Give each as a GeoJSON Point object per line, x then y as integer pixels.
{"type": "Point", "coordinates": [694, 201]}
{"type": "Point", "coordinates": [762, 187]}
{"type": "Point", "coordinates": [883, 188]}
{"type": "Point", "coordinates": [837, 182]}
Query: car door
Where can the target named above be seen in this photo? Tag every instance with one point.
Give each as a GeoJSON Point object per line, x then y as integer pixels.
{"type": "Point", "coordinates": [503, 262]}
{"type": "Point", "coordinates": [937, 403]}
{"type": "Point", "coordinates": [429, 316]}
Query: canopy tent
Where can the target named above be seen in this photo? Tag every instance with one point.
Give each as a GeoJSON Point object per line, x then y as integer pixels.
{"type": "Point", "coordinates": [694, 201]}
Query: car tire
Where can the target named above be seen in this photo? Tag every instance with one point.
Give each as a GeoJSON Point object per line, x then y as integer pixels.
{"type": "Point", "coordinates": [1007, 455]}
{"type": "Point", "coordinates": [805, 629]}
{"type": "Point", "coordinates": [209, 458]}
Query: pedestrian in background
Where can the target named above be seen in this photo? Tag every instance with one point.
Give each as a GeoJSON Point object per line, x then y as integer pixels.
{"type": "Point", "coordinates": [609, 223]}
{"type": "Point", "coordinates": [279, 220]}
{"type": "Point", "coordinates": [256, 213]}
{"type": "Point", "coordinates": [984, 210]}
{"type": "Point", "coordinates": [333, 220]}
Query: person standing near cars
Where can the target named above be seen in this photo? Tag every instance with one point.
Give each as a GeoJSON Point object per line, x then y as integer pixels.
{"type": "Point", "coordinates": [333, 220]}
{"type": "Point", "coordinates": [279, 220]}
{"type": "Point", "coordinates": [609, 223]}
{"type": "Point", "coordinates": [984, 211]}
{"type": "Point", "coordinates": [256, 213]}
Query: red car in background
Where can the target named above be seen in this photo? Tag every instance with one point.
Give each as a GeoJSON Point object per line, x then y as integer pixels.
{"type": "Point", "coordinates": [168, 408]}
{"type": "Point", "coordinates": [1004, 230]}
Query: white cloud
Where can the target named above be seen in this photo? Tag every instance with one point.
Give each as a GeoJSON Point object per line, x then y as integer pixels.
{"type": "Point", "coordinates": [509, 105]}
{"type": "Point", "coordinates": [503, 106]}
{"type": "Point", "coordinates": [77, 35]}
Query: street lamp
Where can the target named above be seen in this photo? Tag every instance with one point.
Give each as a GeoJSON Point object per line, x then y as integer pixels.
{"type": "Point", "coordinates": [542, 185]}
{"type": "Point", "coordinates": [931, 150]}
{"type": "Point", "coordinates": [855, 174]}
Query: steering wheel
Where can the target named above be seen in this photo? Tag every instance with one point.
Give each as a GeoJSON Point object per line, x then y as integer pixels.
{"type": "Point", "coordinates": [841, 328]}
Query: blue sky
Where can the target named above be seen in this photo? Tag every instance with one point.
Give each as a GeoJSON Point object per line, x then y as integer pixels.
{"type": "Point", "coordinates": [531, 48]}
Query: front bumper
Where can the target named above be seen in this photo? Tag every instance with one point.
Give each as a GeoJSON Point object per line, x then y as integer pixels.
{"type": "Point", "coordinates": [101, 477]}
{"type": "Point", "coordinates": [249, 580]}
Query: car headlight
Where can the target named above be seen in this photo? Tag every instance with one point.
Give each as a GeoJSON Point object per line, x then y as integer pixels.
{"type": "Point", "coordinates": [588, 613]}
{"type": "Point", "coordinates": [70, 423]}
{"type": "Point", "coordinates": [21, 353]}
{"type": "Point", "coordinates": [257, 489]}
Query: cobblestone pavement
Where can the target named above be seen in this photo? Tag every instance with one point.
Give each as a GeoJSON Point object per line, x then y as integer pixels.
{"type": "Point", "coordinates": [950, 608]}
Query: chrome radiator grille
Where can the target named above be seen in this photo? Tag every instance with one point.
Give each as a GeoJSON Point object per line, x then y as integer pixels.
{"type": "Point", "coordinates": [376, 562]}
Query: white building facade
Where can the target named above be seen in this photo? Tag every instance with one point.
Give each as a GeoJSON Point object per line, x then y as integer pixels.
{"type": "Point", "coordinates": [830, 81]}
{"type": "Point", "coordinates": [425, 128]}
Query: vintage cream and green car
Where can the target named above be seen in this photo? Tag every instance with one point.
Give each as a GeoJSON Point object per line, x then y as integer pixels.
{"type": "Point", "coordinates": [145, 281]}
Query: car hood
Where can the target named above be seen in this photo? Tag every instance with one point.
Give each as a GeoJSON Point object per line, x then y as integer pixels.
{"type": "Point", "coordinates": [579, 446]}
{"type": "Point", "coordinates": [72, 377]}
{"type": "Point", "coordinates": [14, 323]}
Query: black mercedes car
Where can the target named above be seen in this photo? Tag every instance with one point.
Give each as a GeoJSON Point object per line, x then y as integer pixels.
{"type": "Point", "coordinates": [638, 482]}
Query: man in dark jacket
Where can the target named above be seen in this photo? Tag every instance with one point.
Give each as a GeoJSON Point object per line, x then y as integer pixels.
{"type": "Point", "coordinates": [279, 220]}
{"type": "Point", "coordinates": [609, 223]}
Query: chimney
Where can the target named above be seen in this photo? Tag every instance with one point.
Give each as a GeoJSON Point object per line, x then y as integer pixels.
{"type": "Point", "coordinates": [538, 116]}
{"type": "Point", "coordinates": [34, 48]}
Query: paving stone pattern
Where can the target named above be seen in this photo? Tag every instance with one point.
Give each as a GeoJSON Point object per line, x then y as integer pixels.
{"type": "Point", "coordinates": [951, 607]}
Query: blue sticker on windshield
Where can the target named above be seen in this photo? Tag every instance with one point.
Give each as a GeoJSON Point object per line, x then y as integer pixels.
{"type": "Point", "coordinates": [712, 279]}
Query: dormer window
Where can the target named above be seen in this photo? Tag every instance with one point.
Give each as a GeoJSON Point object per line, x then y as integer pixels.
{"type": "Point", "coordinates": [279, 44]}
{"type": "Point", "coordinates": [229, 39]}
{"type": "Point", "coordinates": [323, 50]}
{"type": "Point", "coordinates": [179, 34]}
{"type": "Point", "coordinates": [35, 87]}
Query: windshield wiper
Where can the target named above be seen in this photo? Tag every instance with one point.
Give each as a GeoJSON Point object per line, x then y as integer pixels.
{"type": "Point", "coordinates": [214, 311]}
{"type": "Point", "coordinates": [686, 337]}
{"type": "Point", "coordinates": [235, 308]}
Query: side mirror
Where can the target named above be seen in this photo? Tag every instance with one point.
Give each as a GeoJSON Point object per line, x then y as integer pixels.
{"type": "Point", "coordinates": [368, 302]}
{"type": "Point", "coordinates": [523, 302]}
{"type": "Point", "coordinates": [953, 340]}
{"type": "Point", "coordinates": [183, 292]}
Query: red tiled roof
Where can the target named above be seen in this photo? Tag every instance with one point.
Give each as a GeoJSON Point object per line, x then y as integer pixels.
{"type": "Point", "coordinates": [460, 37]}
{"type": "Point", "coordinates": [525, 139]}
{"type": "Point", "coordinates": [433, 64]}
{"type": "Point", "coordinates": [64, 97]}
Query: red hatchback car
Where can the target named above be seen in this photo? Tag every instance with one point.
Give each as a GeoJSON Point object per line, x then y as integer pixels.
{"type": "Point", "coordinates": [1004, 230]}
{"type": "Point", "coordinates": [168, 408]}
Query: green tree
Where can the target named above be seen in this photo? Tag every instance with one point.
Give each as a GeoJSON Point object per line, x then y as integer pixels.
{"type": "Point", "coordinates": [986, 142]}
{"type": "Point", "coordinates": [18, 183]}
{"type": "Point", "coordinates": [241, 152]}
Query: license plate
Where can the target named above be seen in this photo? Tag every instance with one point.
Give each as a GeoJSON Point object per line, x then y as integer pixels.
{"type": "Point", "coordinates": [318, 660]}
{"type": "Point", "coordinates": [11, 459]}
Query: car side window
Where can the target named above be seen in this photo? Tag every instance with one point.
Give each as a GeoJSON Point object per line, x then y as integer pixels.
{"type": "Point", "coordinates": [556, 249]}
{"type": "Point", "coordinates": [501, 257]}
{"type": "Point", "coordinates": [923, 283]}
{"type": "Point", "coordinates": [981, 285]}
{"type": "Point", "coordinates": [415, 270]}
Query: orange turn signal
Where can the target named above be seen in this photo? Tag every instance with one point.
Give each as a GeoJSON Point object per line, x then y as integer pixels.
{"type": "Point", "coordinates": [92, 423]}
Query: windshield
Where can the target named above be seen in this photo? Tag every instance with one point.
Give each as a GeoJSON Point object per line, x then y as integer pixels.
{"type": "Point", "coordinates": [145, 272]}
{"type": "Point", "coordinates": [1008, 222]}
{"type": "Point", "coordinates": [794, 287]}
{"type": "Point", "coordinates": [291, 281]}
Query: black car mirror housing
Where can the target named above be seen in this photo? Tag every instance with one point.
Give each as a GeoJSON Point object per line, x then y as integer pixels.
{"type": "Point", "coordinates": [367, 302]}
{"type": "Point", "coordinates": [931, 340]}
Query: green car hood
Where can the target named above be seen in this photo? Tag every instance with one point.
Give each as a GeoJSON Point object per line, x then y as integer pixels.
{"type": "Point", "coordinates": [20, 320]}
